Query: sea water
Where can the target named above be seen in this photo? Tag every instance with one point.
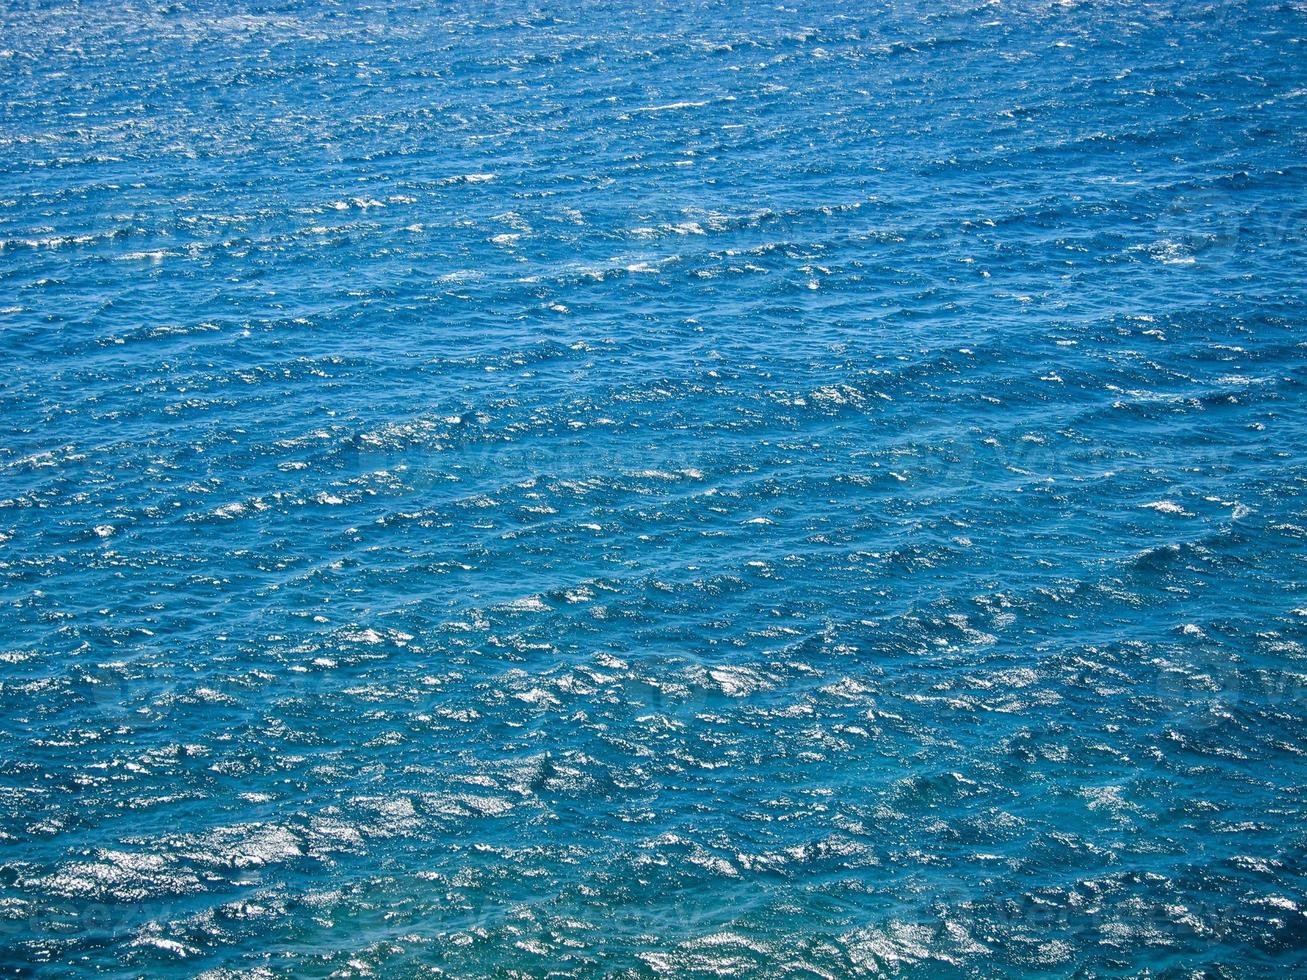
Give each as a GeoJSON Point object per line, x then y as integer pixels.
{"type": "Point", "coordinates": [652, 488]}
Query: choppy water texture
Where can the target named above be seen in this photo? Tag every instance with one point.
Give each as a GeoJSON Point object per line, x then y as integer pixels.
{"type": "Point", "coordinates": [639, 488]}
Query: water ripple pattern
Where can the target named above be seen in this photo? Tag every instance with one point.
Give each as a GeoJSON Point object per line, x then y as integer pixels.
{"type": "Point", "coordinates": [653, 489]}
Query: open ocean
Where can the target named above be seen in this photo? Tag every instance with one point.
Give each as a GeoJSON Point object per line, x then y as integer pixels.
{"type": "Point", "coordinates": [641, 489]}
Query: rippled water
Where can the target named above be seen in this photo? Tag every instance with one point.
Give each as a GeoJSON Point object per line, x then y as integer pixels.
{"type": "Point", "coordinates": [653, 488]}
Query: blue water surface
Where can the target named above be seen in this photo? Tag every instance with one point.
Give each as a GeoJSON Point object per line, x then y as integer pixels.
{"type": "Point", "coordinates": [650, 488]}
